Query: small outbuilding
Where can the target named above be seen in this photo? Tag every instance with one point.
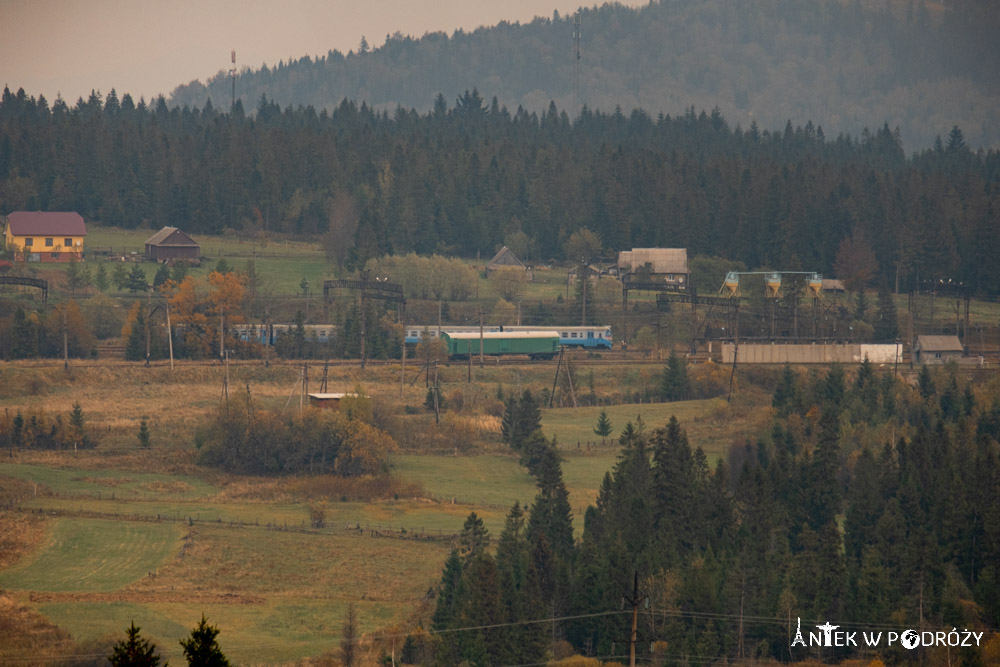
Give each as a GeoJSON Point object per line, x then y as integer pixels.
{"type": "Point", "coordinates": [325, 401]}
{"type": "Point", "coordinates": [937, 349]}
{"type": "Point", "coordinates": [170, 244]}
{"type": "Point", "coordinates": [506, 259]}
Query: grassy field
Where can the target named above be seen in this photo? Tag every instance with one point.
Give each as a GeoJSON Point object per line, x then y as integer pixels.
{"type": "Point", "coordinates": [101, 537]}
{"type": "Point", "coordinates": [93, 556]}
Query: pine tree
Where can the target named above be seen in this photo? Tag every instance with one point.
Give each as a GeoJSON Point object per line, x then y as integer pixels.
{"type": "Point", "coordinates": [101, 277]}
{"type": "Point", "coordinates": [474, 538]}
{"type": "Point", "coordinates": [134, 651]}
{"type": "Point", "coordinates": [136, 280]}
{"type": "Point", "coordinates": [675, 385]}
{"type": "Point", "coordinates": [135, 346]}
{"type": "Point", "coordinates": [144, 437]}
{"type": "Point", "coordinates": [202, 649]}
{"type": "Point", "coordinates": [349, 638]}
{"type": "Point", "coordinates": [448, 592]}
{"type": "Point", "coordinates": [162, 275]}
{"type": "Point", "coordinates": [604, 426]}
{"type": "Point", "coordinates": [120, 276]}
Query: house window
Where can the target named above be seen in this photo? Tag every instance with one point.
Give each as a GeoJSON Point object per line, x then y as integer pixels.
{"type": "Point", "coordinates": [48, 243]}
{"type": "Point", "coordinates": [29, 241]}
{"type": "Point", "coordinates": [67, 242]}
{"type": "Point", "coordinates": [54, 255]}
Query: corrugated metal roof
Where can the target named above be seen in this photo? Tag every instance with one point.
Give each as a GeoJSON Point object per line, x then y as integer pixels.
{"type": "Point", "coordinates": [181, 239]}
{"type": "Point", "coordinates": [54, 223]}
{"type": "Point", "coordinates": [662, 260]}
{"type": "Point", "coordinates": [940, 344]}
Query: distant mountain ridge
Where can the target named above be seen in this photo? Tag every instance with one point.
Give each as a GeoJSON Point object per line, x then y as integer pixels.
{"type": "Point", "coordinates": [923, 67]}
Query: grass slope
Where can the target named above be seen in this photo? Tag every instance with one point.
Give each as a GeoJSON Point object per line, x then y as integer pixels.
{"type": "Point", "coordinates": [94, 555]}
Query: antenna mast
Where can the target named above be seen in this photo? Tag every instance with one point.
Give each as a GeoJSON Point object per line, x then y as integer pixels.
{"type": "Point", "coordinates": [576, 64]}
{"type": "Point", "coordinates": [232, 75]}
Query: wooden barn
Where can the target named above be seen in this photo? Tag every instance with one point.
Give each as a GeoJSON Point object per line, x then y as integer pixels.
{"type": "Point", "coordinates": [506, 259]}
{"type": "Point", "coordinates": [170, 244]}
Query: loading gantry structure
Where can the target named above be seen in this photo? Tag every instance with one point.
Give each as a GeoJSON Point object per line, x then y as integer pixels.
{"type": "Point", "coordinates": [772, 282]}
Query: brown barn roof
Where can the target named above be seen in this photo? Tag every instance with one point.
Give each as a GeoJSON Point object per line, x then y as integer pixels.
{"type": "Point", "coordinates": [66, 223]}
{"type": "Point", "coordinates": [662, 260]}
{"type": "Point", "coordinates": [171, 236]}
{"type": "Point", "coordinates": [939, 344]}
{"type": "Point", "coordinates": [506, 257]}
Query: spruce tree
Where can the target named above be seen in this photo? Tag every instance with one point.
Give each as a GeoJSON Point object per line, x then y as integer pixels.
{"type": "Point", "coordinates": [675, 385]}
{"type": "Point", "coordinates": [201, 648]}
{"type": "Point", "coordinates": [474, 538]}
{"type": "Point", "coordinates": [101, 277]}
{"type": "Point", "coordinates": [604, 426]}
{"type": "Point", "coordinates": [135, 346]}
{"type": "Point", "coordinates": [134, 651]}
{"type": "Point", "coordinates": [162, 275]}
{"type": "Point", "coordinates": [349, 638]}
{"type": "Point", "coordinates": [447, 594]}
{"type": "Point", "coordinates": [136, 279]}
{"type": "Point", "coordinates": [144, 437]}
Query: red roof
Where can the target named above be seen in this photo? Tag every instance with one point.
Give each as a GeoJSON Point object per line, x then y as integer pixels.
{"type": "Point", "coordinates": [40, 223]}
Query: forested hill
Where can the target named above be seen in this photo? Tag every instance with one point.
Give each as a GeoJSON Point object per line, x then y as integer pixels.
{"type": "Point", "coordinates": [466, 179]}
{"type": "Point", "coordinates": [844, 65]}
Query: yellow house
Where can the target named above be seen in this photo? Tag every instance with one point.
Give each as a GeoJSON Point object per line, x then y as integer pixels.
{"type": "Point", "coordinates": [45, 236]}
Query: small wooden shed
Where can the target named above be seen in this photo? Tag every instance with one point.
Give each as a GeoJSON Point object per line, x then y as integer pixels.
{"type": "Point", "coordinates": [505, 258]}
{"type": "Point", "coordinates": [937, 349]}
{"type": "Point", "coordinates": [325, 401]}
{"type": "Point", "coordinates": [171, 244]}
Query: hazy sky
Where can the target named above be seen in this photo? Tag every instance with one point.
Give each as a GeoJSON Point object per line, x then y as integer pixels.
{"type": "Point", "coordinates": [146, 48]}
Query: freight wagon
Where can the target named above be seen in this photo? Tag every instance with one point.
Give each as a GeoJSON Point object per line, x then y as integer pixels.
{"type": "Point", "coordinates": [535, 344]}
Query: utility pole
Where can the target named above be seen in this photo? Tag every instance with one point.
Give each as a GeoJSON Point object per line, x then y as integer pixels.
{"type": "Point", "coordinates": [634, 601]}
{"type": "Point", "coordinates": [480, 336]}
{"type": "Point", "coordinates": [66, 342]}
{"type": "Point", "coordinates": [170, 337]}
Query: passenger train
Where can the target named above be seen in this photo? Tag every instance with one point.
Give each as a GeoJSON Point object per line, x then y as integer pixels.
{"type": "Point", "coordinates": [594, 337]}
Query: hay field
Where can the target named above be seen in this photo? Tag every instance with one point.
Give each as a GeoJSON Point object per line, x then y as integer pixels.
{"type": "Point", "coordinates": [243, 550]}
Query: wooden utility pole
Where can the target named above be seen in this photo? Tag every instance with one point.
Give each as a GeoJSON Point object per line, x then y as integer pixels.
{"type": "Point", "coordinates": [634, 600]}
{"type": "Point", "coordinates": [480, 336]}
{"type": "Point", "coordinates": [555, 380]}
{"type": "Point", "coordinates": [402, 364]}
{"type": "Point", "coordinates": [66, 341]}
{"type": "Point", "coordinates": [170, 337]}
{"type": "Point", "coordinates": [437, 391]}
{"type": "Point", "coordinates": [470, 361]}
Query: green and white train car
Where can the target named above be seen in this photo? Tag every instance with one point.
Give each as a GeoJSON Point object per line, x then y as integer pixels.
{"type": "Point", "coordinates": [535, 344]}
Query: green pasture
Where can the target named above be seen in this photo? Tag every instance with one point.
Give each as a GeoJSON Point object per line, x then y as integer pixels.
{"type": "Point", "coordinates": [94, 555]}
{"type": "Point", "coordinates": [270, 608]}
{"type": "Point", "coordinates": [121, 484]}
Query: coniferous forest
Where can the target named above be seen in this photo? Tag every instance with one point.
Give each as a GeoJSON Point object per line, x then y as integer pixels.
{"type": "Point", "coordinates": [471, 175]}
{"type": "Point", "coordinates": [870, 502]}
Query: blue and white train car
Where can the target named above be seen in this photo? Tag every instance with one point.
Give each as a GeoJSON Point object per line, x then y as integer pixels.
{"type": "Point", "coordinates": [595, 337]}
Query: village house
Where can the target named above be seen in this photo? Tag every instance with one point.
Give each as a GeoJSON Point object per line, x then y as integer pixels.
{"type": "Point", "coordinates": [45, 236]}
{"type": "Point", "coordinates": [666, 266]}
{"type": "Point", "coordinates": [170, 244]}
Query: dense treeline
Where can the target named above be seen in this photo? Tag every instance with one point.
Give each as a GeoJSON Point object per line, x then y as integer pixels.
{"type": "Point", "coordinates": [464, 180]}
{"type": "Point", "coordinates": [845, 64]}
{"type": "Point", "coordinates": [870, 504]}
